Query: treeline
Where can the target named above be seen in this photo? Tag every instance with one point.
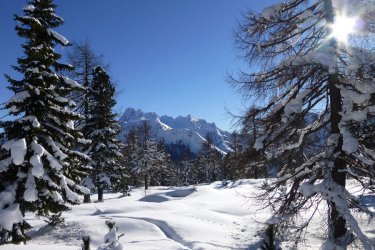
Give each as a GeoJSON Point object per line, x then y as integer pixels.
{"type": "Point", "coordinates": [63, 141]}
{"type": "Point", "coordinates": [150, 162]}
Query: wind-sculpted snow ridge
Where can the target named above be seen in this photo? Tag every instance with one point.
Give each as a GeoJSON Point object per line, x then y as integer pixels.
{"type": "Point", "coordinates": [187, 130]}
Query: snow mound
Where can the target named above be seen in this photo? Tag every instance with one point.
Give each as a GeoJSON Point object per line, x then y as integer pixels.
{"type": "Point", "coordinates": [98, 212]}
{"type": "Point", "coordinates": [175, 193]}
{"type": "Point", "coordinates": [183, 192]}
{"type": "Point", "coordinates": [155, 198]}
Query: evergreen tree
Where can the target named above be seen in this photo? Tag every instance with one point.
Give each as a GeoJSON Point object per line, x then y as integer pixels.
{"type": "Point", "coordinates": [304, 66]}
{"type": "Point", "coordinates": [102, 128]}
{"type": "Point", "coordinates": [165, 174]}
{"type": "Point", "coordinates": [232, 160]}
{"type": "Point", "coordinates": [209, 162]}
{"type": "Point", "coordinates": [38, 165]}
{"type": "Point", "coordinates": [128, 153]}
{"type": "Point", "coordinates": [186, 168]}
{"type": "Point", "coordinates": [147, 158]}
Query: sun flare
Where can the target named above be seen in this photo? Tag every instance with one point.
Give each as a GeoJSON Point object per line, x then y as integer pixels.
{"type": "Point", "coordinates": [343, 27]}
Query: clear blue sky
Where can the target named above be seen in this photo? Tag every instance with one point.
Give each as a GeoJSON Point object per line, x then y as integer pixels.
{"type": "Point", "coordinates": [167, 56]}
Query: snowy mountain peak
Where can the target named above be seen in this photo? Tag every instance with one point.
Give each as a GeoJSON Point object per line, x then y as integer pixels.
{"type": "Point", "coordinates": [131, 114]}
{"type": "Point", "coordinates": [187, 130]}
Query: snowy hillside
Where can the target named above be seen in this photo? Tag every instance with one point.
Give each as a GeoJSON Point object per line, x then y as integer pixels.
{"type": "Point", "coordinates": [195, 217]}
{"type": "Point", "coordinates": [186, 130]}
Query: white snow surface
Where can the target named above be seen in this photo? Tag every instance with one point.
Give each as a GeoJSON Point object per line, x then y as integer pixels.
{"type": "Point", "coordinates": [210, 216]}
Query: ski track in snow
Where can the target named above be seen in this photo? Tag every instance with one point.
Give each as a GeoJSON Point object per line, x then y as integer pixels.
{"type": "Point", "coordinates": [167, 230]}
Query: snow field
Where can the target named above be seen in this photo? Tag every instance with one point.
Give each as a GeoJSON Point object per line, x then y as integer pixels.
{"type": "Point", "coordinates": [196, 217]}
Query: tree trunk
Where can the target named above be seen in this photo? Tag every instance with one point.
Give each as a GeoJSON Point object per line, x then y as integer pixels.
{"type": "Point", "coordinates": [18, 233]}
{"type": "Point", "coordinates": [100, 194]}
{"type": "Point", "coordinates": [86, 198]}
{"type": "Point", "coordinates": [338, 223]}
{"type": "Point", "coordinates": [146, 181]}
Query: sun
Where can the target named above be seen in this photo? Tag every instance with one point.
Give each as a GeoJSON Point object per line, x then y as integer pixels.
{"type": "Point", "coordinates": [343, 27]}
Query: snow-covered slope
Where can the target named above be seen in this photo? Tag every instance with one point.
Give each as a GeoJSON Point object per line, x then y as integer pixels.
{"type": "Point", "coordinates": [204, 217]}
{"type": "Point", "coordinates": [186, 130]}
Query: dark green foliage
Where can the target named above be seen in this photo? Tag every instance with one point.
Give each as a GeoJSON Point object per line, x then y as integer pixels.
{"type": "Point", "coordinates": [178, 151]}
{"type": "Point", "coordinates": [209, 163]}
{"type": "Point", "coordinates": [40, 167]}
{"type": "Point", "coordinates": [102, 129]}
{"type": "Point", "coordinates": [147, 159]}
{"type": "Point", "coordinates": [55, 219]}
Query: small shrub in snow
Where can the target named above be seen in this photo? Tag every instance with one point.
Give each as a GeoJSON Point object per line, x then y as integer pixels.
{"type": "Point", "coordinates": [86, 242]}
{"type": "Point", "coordinates": [111, 238]}
{"type": "Point", "coordinates": [4, 236]}
{"type": "Point", "coordinates": [55, 219]}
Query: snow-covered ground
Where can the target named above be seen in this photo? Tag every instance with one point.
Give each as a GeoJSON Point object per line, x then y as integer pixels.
{"type": "Point", "coordinates": [196, 217]}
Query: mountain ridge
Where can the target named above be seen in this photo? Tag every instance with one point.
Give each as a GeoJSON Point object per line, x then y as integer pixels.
{"type": "Point", "coordinates": [187, 130]}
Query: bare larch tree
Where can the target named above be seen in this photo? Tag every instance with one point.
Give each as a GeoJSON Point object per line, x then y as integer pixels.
{"type": "Point", "coordinates": [300, 66]}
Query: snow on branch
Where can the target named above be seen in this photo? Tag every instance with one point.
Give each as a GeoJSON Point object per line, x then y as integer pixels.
{"type": "Point", "coordinates": [29, 7]}
{"type": "Point", "coordinates": [271, 11]}
{"type": "Point", "coordinates": [70, 195]}
{"type": "Point", "coordinates": [61, 39]}
{"type": "Point", "coordinates": [339, 196]}
{"type": "Point", "coordinates": [10, 215]}
{"type": "Point", "coordinates": [19, 97]}
{"type": "Point", "coordinates": [71, 83]}
{"type": "Point", "coordinates": [32, 19]}
{"type": "Point", "coordinates": [17, 150]}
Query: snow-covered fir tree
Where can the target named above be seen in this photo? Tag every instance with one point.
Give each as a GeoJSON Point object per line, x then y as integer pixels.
{"type": "Point", "coordinates": [167, 173]}
{"type": "Point", "coordinates": [231, 161]}
{"type": "Point", "coordinates": [127, 152]}
{"type": "Point", "coordinates": [185, 167]}
{"type": "Point", "coordinates": [208, 162]}
{"type": "Point", "coordinates": [39, 168]}
{"type": "Point", "coordinates": [84, 61]}
{"type": "Point", "coordinates": [102, 129]}
{"type": "Point", "coordinates": [147, 158]}
{"type": "Point", "coordinates": [313, 55]}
